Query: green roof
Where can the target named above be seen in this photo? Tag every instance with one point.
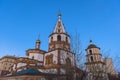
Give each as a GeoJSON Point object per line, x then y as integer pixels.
{"type": "Point", "coordinates": [30, 71]}
{"type": "Point", "coordinates": [33, 71]}
{"type": "Point", "coordinates": [92, 46]}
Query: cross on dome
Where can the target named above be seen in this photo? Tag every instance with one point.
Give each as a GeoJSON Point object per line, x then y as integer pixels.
{"type": "Point", "coordinates": [91, 42]}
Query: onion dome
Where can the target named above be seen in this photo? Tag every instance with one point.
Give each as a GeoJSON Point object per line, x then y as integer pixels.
{"type": "Point", "coordinates": [38, 41]}
{"type": "Point", "coordinates": [92, 45]}
{"type": "Point", "coordinates": [38, 44]}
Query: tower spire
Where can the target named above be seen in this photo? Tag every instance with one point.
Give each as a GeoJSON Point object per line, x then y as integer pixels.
{"type": "Point", "coordinates": [59, 14]}
{"type": "Point", "coordinates": [59, 27]}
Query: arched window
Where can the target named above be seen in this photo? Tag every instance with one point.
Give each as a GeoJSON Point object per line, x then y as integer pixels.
{"type": "Point", "coordinates": [51, 39]}
{"type": "Point", "coordinates": [68, 62]}
{"type": "Point", "coordinates": [49, 59]}
{"type": "Point", "coordinates": [90, 51]}
{"type": "Point", "coordinates": [91, 58]}
{"type": "Point", "coordinates": [66, 39]}
{"type": "Point", "coordinates": [68, 66]}
{"type": "Point", "coordinates": [58, 30]}
{"type": "Point", "coordinates": [32, 57]}
{"type": "Point", "coordinates": [59, 38]}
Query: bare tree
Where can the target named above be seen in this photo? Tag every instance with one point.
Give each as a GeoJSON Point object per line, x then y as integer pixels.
{"type": "Point", "coordinates": [76, 47]}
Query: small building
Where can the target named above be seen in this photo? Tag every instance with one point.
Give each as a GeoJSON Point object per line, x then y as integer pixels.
{"type": "Point", "coordinates": [6, 63]}
{"type": "Point", "coordinates": [109, 67]}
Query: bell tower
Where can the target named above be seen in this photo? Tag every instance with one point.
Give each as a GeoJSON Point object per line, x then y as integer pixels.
{"type": "Point", "coordinates": [59, 39]}
{"type": "Point", "coordinates": [94, 61]}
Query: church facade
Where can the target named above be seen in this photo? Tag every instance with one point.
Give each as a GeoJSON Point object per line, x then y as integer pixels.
{"type": "Point", "coordinates": [58, 59]}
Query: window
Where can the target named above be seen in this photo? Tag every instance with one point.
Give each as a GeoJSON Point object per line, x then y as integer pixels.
{"type": "Point", "coordinates": [66, 39]}
{"type": "Point", "coordinates": [58, 30]}
{"type": "Point", "coordinates": [49, 59]}
{"type": "Point", "coordinates": [91, 58]}
{"type": "Point", "coordinates": [42, 78]}
{"type": "Point", "coordinates": [90, 51]}
{"type": "Point", "coordinates": [68, 66]}
{"type": "Point", "coordinates": [59, 38]}
{"type": "Point", "coordinates": [32, 57]}
{"type": "Point", "coordinates": [51, 39]}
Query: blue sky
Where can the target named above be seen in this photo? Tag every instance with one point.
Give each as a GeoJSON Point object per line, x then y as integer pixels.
{"type": "Point", "coordinates": [21, 21]}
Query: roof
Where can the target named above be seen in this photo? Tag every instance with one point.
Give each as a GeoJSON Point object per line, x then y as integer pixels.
{"type": "Point", "coordinates": [59, 25]}
{"type": "Point", "coordinates": [35, 51]}
{"type": "Point", "coordinates": [92, 45]}
{"type": "Point", "coordinates": [10, 57]}
{"type": "Point", "coordinates": [33, 71]}
{"type": "Point", "coordinates": [24, 60]}
{"type": "Point", "coordinates": [30, 71]}
{"type": "Point", "coordinates": [38, 41]}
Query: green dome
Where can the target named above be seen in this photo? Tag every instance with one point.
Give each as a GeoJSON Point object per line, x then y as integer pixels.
{"type": "Point", "coordinates": [38, 41]}
{"type": "Point", "coordinates": [92, 45]}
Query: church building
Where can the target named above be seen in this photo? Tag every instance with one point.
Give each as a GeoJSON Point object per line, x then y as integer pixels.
{"type": "Point", "coordinates": [57, 60]}
{"type": "Point", "coordinates": [58, 63]}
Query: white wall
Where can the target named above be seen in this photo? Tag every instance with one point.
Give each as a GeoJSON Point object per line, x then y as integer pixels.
{"type": "Point", "coordinates": [63, 37]}
{"type": "Point", "coordinates": [55, 56]}
{"type": "Point", "coordinates": [37, 56]}
{"type": "Point", "coordinates": [21, 64]}
{"type": "Point", "coordinates": [94, 50]}
{"type": "Point", "coordinates": [65, 55]}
